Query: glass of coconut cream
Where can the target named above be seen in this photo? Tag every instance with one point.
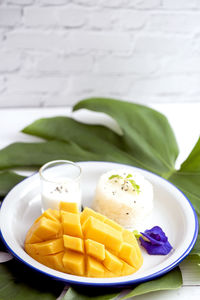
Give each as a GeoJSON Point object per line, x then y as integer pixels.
{"type": "Point", "coordinates": [60, 181]}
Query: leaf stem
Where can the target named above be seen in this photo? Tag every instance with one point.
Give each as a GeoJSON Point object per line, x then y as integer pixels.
{"type": "Point", "coordinates": [168, 174]}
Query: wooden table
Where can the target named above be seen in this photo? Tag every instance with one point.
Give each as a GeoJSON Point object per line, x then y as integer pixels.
{"type": "Point", "coordinates": [185, 121]}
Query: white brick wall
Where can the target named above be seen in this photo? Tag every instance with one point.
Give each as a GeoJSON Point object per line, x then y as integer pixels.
{"type": "Point", "coordinates": [55, 52]}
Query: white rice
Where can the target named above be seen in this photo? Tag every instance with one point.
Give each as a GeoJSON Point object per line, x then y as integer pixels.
{"type": "Point", "coordinates": [117, 199]}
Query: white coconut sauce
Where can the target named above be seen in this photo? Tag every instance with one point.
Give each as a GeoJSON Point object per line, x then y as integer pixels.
{"type": "Point", "coordinates": [65, 190]}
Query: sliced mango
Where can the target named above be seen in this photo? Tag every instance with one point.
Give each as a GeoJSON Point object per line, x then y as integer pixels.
{"type": "Point", "coordinates": [94, 268]}
{"type": "Point", "coordinates": [73, 243]}
{"type": "Point", "coordinates": [32, 238]}
{"type": "Point", "coordinates": [74, 262]}
{"type": "Point", "coordinates": [45, 229]}
{"type": "Point", "coordinates": [71, 224]}
{"type": "Point", "coordinates": [129, 254]}
{"type": "Point", "coordinates": [130, 238]}
{"type": "Point", "coordinates": [52, 214]}
{"type": "Point", "coordinates": [108, 274]}
{"type": "Point", "coordinates": [113, 263]}
{"type": "Point", "coordinates": [127, 269]}
{"type": "Point", "coordinates": [95, 249]}
{"type": "Point", "coordinates": [88, 212]}
{"type": "Point", "coordinates": [113, 224]}
{"type": "Point", "coordinates": [83, 244]}
{"type": "Point", "coordinates": [69, 206]}
{"type": "Point", "coordinates": [54, 261]}
{"type": "Point", "coordinates": [46, 248]}
{"type": "Point", "coordinates": [98, 231]}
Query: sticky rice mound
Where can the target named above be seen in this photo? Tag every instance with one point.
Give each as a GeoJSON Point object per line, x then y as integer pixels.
{"type": "Point", "coordinates": [124, 196]}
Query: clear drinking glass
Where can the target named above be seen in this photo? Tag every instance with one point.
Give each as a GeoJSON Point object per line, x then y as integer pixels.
{"type": "Point", "coordinates": [60, 181]}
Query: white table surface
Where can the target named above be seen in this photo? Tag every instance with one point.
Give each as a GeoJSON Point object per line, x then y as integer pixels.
{"type": "Point", "coordinates": [185, 121]}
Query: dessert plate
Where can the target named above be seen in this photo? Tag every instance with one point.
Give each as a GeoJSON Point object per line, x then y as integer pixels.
{"type": "Point", "coordinates": [172, 211]}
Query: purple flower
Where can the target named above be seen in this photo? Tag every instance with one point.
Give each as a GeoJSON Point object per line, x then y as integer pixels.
{"type": "Point", "coordinates": [155, 241]}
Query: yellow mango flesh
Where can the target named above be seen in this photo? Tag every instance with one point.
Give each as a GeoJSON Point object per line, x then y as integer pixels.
{"type": "Point", "coordinates": [69, 206]}
{"type": "Point", "coordinates": [45, 229]}
{"type": "Point", "coordinates": [94, 268]}
{"type": "Point", "coordinates": [95, 249]}
{"type": "Point", "coordinates": [83, 244]}
{"type": "Point", "coordinates": [113, 263]}
{"type": "Point", "coordinates": [46, 248]}
{"type": "Point", "coordinates": [130, 239]}
{"type": "Point", "coordinates": [74, 262]}
{"type": "Point", "coordinates": [88, 212]}
{"type": "Point", "coordinates": [73, 243]}
{"type": "Point", "coordinates": [32, 238]}
{"type": "Point", "coordinates": [53, 261]}
{"type": "Point", "coordinates": [113, 224]}
{"type": "Point", "coordinates": [71, 224]}
{"type": "Point", "coordinates": [100, 232]}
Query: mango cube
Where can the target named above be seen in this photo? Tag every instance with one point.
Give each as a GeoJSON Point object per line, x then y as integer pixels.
{"type": "Point", "coordinates": [108, 274]}
{"type": "Point", "coordinates": [113, 263]}
{"type": "Point", "coordinates": [47, 247]}
{"type": "Point", "coordinates": [71, 224]}
{"type": "Point", "coordinates": [129, 238]}
{"type": "Point", "coordinates": [54, 261]}
{"type": "Point", "coordinates": [94, 268]}
{"type": "Point", "coordinates": [88, 212]}
{"type": "Point", "coordinates": [95, 249]}
{"type": "Point", "coordinates": [129, 254]}
{"type": "Point", "coordinates": [69, 207]}
{"type": "Point", "coordinates": [32, 238]}
{"type": "Point", "coordinates": [73, 243]}
{"type": "Point", "coordinates": [102, 233]}
{"type": "Point", "coordinates": [113, 224]}
{"type": "Point", "coordinates": [74, 262]}
{"type": "Point", "coordinates": [46, 229]}
{"type": "Point", "coordinates": [52, 214]}
{"type": "Point", "coordinates": [127, 269]}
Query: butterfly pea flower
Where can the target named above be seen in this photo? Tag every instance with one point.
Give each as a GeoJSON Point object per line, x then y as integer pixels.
{"type": "Point", "coordinates": [155, 241]}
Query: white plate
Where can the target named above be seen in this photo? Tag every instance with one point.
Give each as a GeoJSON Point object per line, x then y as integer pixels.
{"type": "Point", "coordinates": [173, 212]}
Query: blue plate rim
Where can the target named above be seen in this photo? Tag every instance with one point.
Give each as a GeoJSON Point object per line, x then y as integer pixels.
{"type": "Point", "coordinates": [123, 283]}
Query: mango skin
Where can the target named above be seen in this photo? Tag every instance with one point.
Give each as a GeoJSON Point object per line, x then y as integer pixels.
{"type": "Point", "coordinates": [83, 244]}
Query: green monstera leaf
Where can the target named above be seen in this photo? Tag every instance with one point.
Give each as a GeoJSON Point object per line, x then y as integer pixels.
{"type": "Point", "coordinates": [8, 179]}
{"type": "Point", "coordinates": [169, 281]}
{"type": "Point", "coordinates": [147, 140]}
{"type": "Point", "coordinates": [147, 134]}
{"type": "Point", "coordinates": [188, 177]}
{"type": "Point", "coordinates": [20, 283]}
